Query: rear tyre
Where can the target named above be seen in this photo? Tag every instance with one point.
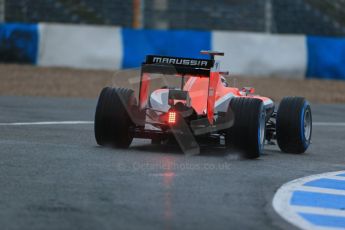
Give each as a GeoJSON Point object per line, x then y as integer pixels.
{"type": "Point", "coordinates": [112, 118]}
{"type": "Point", "coordinates": [294, 125]}
{"type": "Point", "coordinates": [247, 134]}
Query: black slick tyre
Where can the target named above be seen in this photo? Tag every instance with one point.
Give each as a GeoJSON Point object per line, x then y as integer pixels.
{"type": "Point", "coordinates": [294, 125]}
{"type": "Point", "coordinates": [247, 134]}
{"type": "Point", "coordinates": [112, 118]}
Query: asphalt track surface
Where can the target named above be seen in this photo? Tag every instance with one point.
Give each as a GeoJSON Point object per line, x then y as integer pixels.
{"type": "Point", "coordinates": [56, 177]}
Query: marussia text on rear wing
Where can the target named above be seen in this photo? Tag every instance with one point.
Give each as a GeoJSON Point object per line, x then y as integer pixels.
{"type": "Point", "coordinates": [176, 65]}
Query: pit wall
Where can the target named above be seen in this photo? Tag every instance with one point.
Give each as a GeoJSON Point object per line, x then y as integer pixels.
{"type": "Point", "coordinates": [101, 47]}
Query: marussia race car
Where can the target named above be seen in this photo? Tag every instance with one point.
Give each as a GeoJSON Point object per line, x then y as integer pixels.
{"type": "Point", "coordinates": [201, 107]}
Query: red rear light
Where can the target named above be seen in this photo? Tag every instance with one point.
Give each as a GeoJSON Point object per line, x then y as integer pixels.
{"type": "Point", "coordinates": [172, 117]}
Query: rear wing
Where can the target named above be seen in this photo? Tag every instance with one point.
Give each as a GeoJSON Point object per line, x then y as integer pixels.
{"type": "Point", "coordinates": [180, 66]}
{"type": "Point", "coordinates": [176, 65]}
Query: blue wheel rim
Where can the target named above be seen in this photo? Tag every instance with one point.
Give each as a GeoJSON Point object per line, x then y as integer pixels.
{"type": "Point", "coordinates": [306, 124]}
{"type": "Point", "coordinates": [261, 130]}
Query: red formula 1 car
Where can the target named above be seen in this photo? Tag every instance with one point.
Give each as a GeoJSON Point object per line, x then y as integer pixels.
{"type": "Point", "coordinates": [198, 106]}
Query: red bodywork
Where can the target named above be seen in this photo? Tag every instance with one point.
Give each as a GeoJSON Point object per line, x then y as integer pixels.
{"type": "Point", "coordinates": [197, 88]}
{"type": "Point", "coordinates": [204, 91]}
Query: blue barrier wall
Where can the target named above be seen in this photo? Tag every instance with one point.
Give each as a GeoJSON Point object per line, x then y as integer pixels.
{"type": "Point", "coordinates": [19, 43]}
{"type": "Point", "coordinates": [326, 57]}
{"type": "Point", "coordinates": [138, 43]}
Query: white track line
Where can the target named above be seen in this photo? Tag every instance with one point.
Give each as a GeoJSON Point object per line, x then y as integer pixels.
{"type": "Point", "coordinates": [336, 124]}
{"type": "Point", "coordinates": [47, 123]}
{"type": "Point", "coordinates": [319, 211]}
{"type": "Point", "coordinates": [321, 190]}
{"type": "Point", "coordinates": [328, 123]}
